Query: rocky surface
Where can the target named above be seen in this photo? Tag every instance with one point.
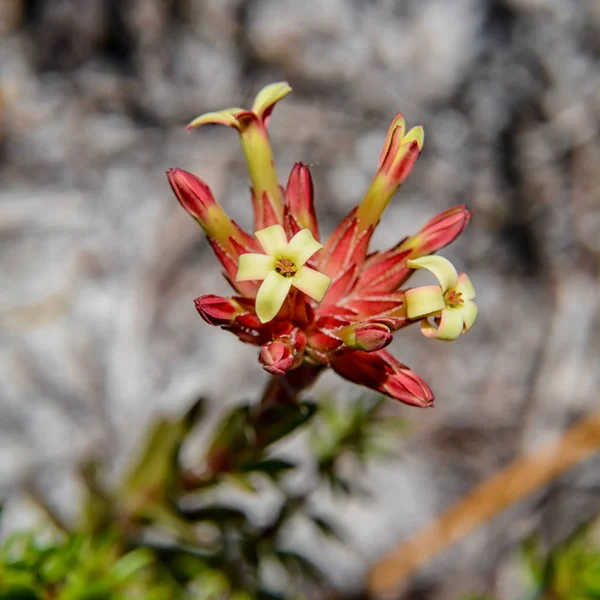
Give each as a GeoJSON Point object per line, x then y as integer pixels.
{"type": "Point", "coordinates": [99, 265]}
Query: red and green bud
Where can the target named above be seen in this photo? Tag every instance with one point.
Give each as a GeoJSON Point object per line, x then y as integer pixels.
{"type": "Point", "coordinates": [398, 156]}
{"type": "Point", "coordinates": [226, 238]}
{"type": "Point", "coordinates": [437, 233]}
{"type": "Point", "coordinates": [368, 337]}
{"type": "Point", "coordinates": [380, 371]}
{"type": "Point", "coordinates": [197, 199]}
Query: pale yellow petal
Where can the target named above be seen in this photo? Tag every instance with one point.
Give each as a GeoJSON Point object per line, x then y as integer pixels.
{"type": "Point", "coordinates": [254, 266]}
{"type": "Point", "coordinates": [416, 133]}
{"type": "Point", "coordinates": [441, 268]}
{"type": "Point", "coordinates": [465, 287]}
{"type": "Point", "coordinates": [312, 283]}
{"type": "Point", "coordinates": [449, 328]}
{"type": "Point", "coordinates": [273, 240]}
{"type": "Point", "coordinates": [469, 312]}
{"type": "Point", "coordinates": [269, 95]}
{"type": "Point", "coordinates": [424, 300]}
{"type": "Point", "coordinates": [223, 117]}
{"type": "Point", "coordinates": [301, 247]}
{"type": "Point", "coordinates": [271, 296]}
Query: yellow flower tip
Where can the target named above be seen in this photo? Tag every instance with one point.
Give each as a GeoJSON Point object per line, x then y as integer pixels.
{"type": "Point", "coordinates": [465, 287]}
{"type": "Point", "coordinates": [271, 296]}
{"type": "Point", "coordinates": [269, 96]}
{"type": "Point", "coordinates": [442, 269]}
{"type": "Point", "coordinates": [469, 312]}
{"type": "Point", "coordinates": [313, 283]}
{"type": "Point", "coordinates": [227, 117]}
{"type": "Point", "coordinates": [416, 134]}
{"type": "Point", "coordinates": [450, 325]}
{"type": "Point", "coordinates": [301, 247]}
{"type": "Point", "coordinates": [272, 240]}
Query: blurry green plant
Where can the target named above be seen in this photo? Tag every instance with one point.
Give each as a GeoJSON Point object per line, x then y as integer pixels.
{"type": "Point", "coordinates": [175, 531]}
{"type": "Point", "coordinates": [570, 571]}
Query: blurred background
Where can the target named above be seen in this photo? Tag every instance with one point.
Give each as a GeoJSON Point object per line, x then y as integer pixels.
{"type": "Point", "coordinates": [99, 266]}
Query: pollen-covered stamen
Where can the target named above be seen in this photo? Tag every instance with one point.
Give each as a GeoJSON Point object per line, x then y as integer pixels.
{"type": "Point", "coordinates": [453, 298]}
{"type": "Point", "coordinates": [285, 267]}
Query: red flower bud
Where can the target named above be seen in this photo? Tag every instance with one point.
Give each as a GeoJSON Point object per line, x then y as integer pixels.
{"type": "Point", "coordinates": [193, 194]}
{"type": "Point", "coordinates": [277, 357]}
{"type": "Point", "coordinates": [216, 310]}
{"type": "Point", "coordinates": [284, 353]}
{"type": "Point", "coordinates": [382, 372]}
{"type": "Point", "coordinates": [386, 271]}
{"type": "Point", "coordinates": [438, 232]}
{"type": "Point", "coordinates": [300, 213]}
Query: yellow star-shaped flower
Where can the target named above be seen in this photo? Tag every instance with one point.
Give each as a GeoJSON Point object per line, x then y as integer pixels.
{"type": "Point", "coordinates": [282, 266]}
{"type": "Point", "coordinates": [450, 303]}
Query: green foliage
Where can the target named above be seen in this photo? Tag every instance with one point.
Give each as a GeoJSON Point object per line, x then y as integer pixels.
{"type": "Point", "coordinates": [210, 548]}
{"type": "Point", "coordinates": [351, 435]}
{"type": "Point", "coordinates": [571, 571]}
{"type": "Point", "coordinates": [77, 568]}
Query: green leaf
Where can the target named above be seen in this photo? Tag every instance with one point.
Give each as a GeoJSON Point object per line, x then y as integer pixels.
{"type": "Point", "coordinates": [279, 420]}
{"type": "Point", "coordinates": [156, 473]}
{"type": "Point", "coordinates": [131, 564]}
{"type": "Point", "coordinates": [232, 441]}
{"type": "Point", "coordinates": [273, 467]}
{"type": "Point", "coordinates": [217, 513]}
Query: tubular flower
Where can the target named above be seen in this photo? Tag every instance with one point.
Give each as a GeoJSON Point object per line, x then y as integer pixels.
{"type": "Point", "coordinates": [449, 305]}
{"type": "Point", "coordinates": [310, 305]}
{"type": "Point", "coordinates": [252, 127]}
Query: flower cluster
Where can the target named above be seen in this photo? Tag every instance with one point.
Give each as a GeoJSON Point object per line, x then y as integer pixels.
{"type": "Point", "coordinates": [333, 304]}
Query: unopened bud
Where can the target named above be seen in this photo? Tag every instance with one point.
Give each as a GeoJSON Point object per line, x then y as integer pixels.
{"type": "Point", "coordinates": [284, 353]}
{"type": "Point", "coordinates": [382, 372]}
{"type": "Point", "coordinates": [197, 199]}
{"type": "Point", "coordinates": [277, 357]}
{"type": "Point", "coordinates": [218, 311]}
{"type": "Point", "coordinates": [438, 232]}
{"type": "Point", "coordinates": [368, 337]}
{"type": "Point", "coordinates": [398, 156]}
{"type": "Point", "coordinates": [299, 196]}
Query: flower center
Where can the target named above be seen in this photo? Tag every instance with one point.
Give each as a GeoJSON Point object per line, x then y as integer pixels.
{"type": "Point", "coordinates": [285, 267]}
{"type": "Point", "coordinates": [453, 298]}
